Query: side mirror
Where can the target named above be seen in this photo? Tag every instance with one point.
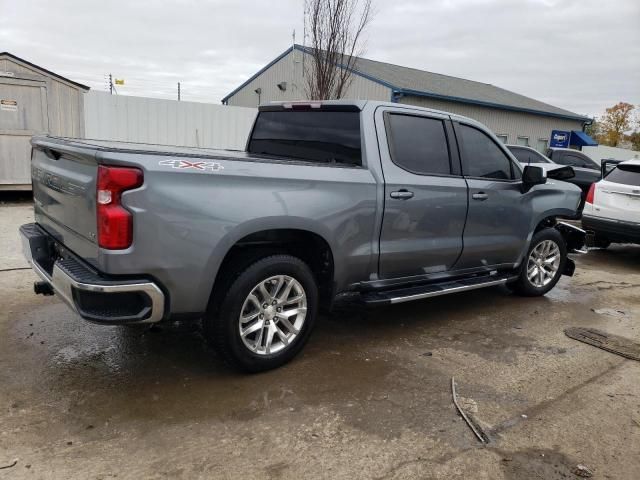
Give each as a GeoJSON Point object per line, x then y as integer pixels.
{"type": "Point", "coordinates": [533, 175]}
{"type": "Point", "coordinates": [561, 173]}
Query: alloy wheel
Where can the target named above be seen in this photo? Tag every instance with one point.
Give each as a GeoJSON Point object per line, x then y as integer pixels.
{"type": "Point", "coordinates": [543, 263]}
{"type": "Point", "coordinates": [273, 315]}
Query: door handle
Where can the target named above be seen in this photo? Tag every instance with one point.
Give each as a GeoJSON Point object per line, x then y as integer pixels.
{"type": "Point", "coordinates": [402, 194]}
{"type": "Point", "coordinates": [480, 196]}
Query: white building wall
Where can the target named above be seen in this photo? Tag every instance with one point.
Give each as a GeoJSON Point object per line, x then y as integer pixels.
{"type": "Point", "coordinates": [602, 152]}
{"type": "Point", "coordinates": [502, 122]}
{"type": "Point", "coordinates": [289, 69]}
{"type": "Point", "coordinates": [166, 122]}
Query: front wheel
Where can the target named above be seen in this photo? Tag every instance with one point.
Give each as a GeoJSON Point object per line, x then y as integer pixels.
{"type": "Point", "coordinates": [544, 263]}
{"type": "Point", "coordinates": [266, 315]}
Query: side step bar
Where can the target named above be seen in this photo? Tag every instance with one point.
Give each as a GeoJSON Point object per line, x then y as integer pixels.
{"type": "Point", "coordinates": [389, 297]}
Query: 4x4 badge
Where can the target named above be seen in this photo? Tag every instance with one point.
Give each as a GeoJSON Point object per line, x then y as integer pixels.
{"type": "Point", "coordinates": [185, 164]}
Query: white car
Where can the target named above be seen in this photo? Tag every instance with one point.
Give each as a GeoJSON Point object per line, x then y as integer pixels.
{"type": "Point", "coordinates": [612, 206]}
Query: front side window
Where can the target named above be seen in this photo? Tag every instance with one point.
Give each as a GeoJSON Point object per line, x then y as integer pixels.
{"type": "Point", "coordinates": [418, 144]}
{"type": "Point", "coordinates": [482, 156]}
{"type": "Point", "coordinates": [313, 136]}
{"type": "Point", "coordinates": [574, 160]}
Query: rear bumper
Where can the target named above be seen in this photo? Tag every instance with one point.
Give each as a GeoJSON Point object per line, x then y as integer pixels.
{"type": "Point", "coordinates": [93, 296]}
{"type": "Point", "coordinates": [612, 230]}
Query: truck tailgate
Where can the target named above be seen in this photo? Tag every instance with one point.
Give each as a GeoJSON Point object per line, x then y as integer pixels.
{"type": "Point", "coordinates": [64, 193]}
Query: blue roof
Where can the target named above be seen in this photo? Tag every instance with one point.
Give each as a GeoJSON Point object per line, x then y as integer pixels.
{"type": "Point", "coordinates": [581, 139]}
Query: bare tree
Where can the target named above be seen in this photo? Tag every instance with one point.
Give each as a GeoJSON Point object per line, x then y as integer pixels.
{"type": "Point", "coordinates": [336, 28]}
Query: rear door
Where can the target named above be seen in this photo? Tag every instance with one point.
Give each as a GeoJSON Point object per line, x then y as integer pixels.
{"type": "Point", "coordinates": [618, 195]}
{"type": "Point", "coordinates": [425, 203]}
{"type": "Point", "coordinates": [499, 215]}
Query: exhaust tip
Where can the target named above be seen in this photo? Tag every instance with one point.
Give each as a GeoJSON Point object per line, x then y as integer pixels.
{"type": "Point", "coordinates": [42, 288]}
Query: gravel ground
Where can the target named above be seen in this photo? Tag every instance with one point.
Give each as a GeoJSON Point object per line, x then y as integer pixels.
{"type": "Point", "coordinates": [370, 396]}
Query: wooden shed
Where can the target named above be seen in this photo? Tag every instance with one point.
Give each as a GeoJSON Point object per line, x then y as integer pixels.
{"type": "Point", "coordinates": [33, 100]}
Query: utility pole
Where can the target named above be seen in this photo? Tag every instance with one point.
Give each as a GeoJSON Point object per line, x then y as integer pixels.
{"type": "Point", "coordinates": [178, 91]}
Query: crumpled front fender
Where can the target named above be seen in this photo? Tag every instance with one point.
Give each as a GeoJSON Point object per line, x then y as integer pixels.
{"type": "Point", "coordinates": [575, 239]}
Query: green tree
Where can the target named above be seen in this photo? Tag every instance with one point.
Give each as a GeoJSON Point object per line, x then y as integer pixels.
{"type": "Point", "coordinates": [593, 130]}
{"type": "Point", "coordinates": [615, 122]}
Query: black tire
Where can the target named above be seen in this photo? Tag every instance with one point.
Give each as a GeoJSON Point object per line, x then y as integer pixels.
{"type": "Point", "coordinates": [221, 322]}
{"type": "Point", "coordinates": [523, 286]}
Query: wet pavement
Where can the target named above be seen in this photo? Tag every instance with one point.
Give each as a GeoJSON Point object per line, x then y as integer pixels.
{"type": "Point", "coordinates": [369, 397]}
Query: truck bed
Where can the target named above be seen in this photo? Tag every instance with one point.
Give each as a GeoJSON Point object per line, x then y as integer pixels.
{"type": "Point", "coordinates": [194, 204]}
{"type": "Point", "coordinates": [140, 148]}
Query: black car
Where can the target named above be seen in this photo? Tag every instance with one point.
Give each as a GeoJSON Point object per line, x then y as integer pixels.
{"type": "Point", "coordinates": [586, 170]}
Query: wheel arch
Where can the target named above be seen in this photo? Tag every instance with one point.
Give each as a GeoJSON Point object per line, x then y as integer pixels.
{"type": "Point", "coordinates": [248, 243]}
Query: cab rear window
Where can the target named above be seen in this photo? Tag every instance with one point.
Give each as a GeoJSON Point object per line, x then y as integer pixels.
{"type": "Point", "coordinates": [626, 175]}
{"type": "Point", "coordinates": [326, 137]}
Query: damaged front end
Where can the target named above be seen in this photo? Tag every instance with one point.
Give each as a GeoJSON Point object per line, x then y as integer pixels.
{"type": "Point", "coordinates": [575, 239]}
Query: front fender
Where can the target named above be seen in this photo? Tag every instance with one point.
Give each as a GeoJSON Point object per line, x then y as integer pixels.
{"type": "Point", "coordinates": [574, 237]}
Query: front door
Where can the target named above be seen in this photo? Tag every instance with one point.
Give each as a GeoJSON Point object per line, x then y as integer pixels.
{"type": "Point", "coordinates": [425, 203]}
{"type": "Point", "coordinates": [500, 215]}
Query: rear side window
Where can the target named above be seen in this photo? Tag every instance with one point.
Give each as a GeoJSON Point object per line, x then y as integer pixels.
{"type": "Point", "coordinates": [577, 160]}
{"type": "Point", "coordinates": [482, 157]}
{"type": "Point", "coordinates": [573, 160]}
{"type": "Point", "coordinates": [313, 136]}
{"type": "Point", "coordinates": [418, 144]}
{"type": "Point", "coordinates": [625, 175]}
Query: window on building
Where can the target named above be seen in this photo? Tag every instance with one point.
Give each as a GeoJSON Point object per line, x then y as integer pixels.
{"type": "Point", "coordinates": [542, 145]}
{"type": "Point", "coordinates": [482, 156]}
{"type": "Point", "coordinates": [419, 144]}
{"type": "Point", "coordinates": [524, 141]}
{"type": "Point", "coordinates": [504, 138]}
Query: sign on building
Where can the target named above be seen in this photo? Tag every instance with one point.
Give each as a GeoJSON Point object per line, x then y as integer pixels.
{"type": "Point", "coordinates": [559, 139]}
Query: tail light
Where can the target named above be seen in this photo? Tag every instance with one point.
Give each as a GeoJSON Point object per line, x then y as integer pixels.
{"type": "Point", "coordinates": [115, 223]}
{"type": "Point", "coordinates": [591, 194]}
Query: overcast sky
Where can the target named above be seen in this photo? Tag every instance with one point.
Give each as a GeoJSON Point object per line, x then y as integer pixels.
{"type": "Point", "coordinates": [582, 55]}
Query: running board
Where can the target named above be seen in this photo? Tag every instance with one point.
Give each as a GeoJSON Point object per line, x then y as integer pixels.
{"type": "Point", "coordinates": [388, 297]}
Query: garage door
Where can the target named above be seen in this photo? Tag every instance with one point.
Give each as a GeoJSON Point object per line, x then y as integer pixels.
{"type": "Point", "coordinates": [23, 113]}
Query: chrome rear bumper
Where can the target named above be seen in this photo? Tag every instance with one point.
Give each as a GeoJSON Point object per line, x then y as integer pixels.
{"type": "Point", "coordinates": [92, 296]}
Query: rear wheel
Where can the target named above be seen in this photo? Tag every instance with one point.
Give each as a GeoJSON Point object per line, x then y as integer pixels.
{"type": "Point", "coordinates": [543, 265]}
{"type": "Point", "coordinates": [266, 315]}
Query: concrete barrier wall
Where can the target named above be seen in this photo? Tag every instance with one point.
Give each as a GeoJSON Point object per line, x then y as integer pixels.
{"type": "Point", "coordinates": [166, 122]}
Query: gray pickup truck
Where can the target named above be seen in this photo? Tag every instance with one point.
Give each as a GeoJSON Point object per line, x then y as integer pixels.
{"type": "Point", "coordinates": [332, 203]}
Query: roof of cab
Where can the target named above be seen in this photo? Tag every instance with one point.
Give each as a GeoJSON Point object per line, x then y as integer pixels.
{"type": "Point", "coordinates": [361, 104]}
